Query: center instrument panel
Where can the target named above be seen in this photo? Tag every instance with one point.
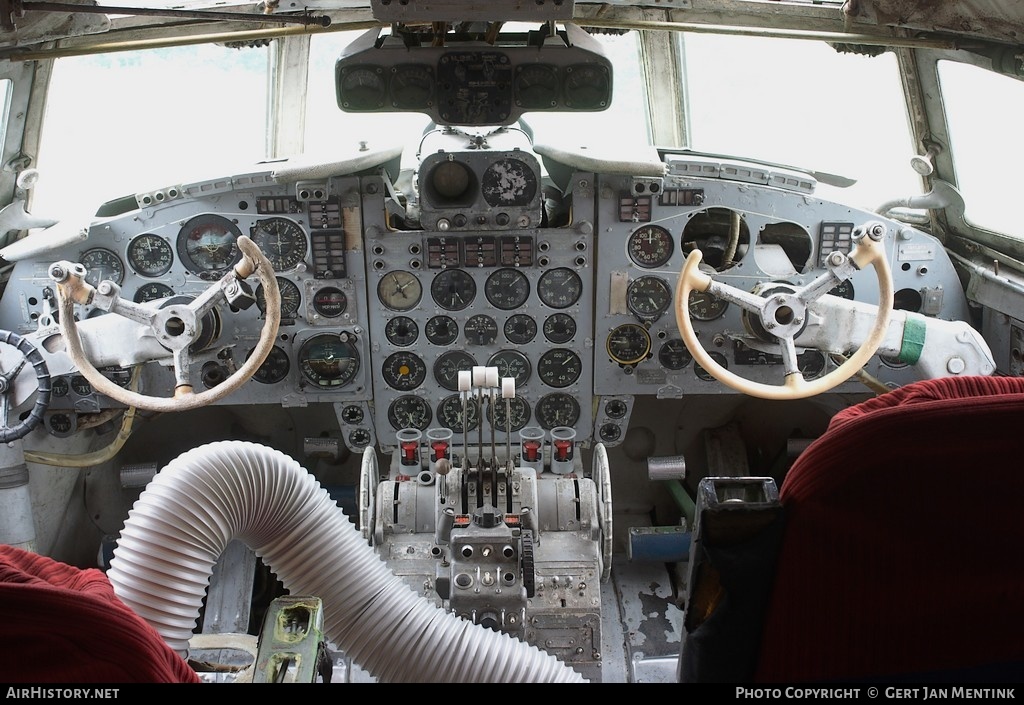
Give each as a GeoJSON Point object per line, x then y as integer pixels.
{"type": "Point", "coordinates": [385, 300]}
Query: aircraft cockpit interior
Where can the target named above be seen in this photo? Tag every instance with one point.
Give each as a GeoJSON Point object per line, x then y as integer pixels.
{"type": "Point", "coordinates": [451, 341]}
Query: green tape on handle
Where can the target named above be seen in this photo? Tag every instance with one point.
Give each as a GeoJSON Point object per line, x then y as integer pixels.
{"type": "Point", "coordinates": [914, 332]}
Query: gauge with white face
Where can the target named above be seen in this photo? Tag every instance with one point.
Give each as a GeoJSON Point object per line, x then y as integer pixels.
{"type": "Point", "coordinates": [399, 290]}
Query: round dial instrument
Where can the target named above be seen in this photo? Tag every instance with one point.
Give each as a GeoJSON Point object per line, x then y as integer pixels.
{"type": "Point", "coordinates": [399, 290]}
{"type": "Point", "coordinates": [283, 241]}
{"type": "Point", "coordinates": [207, 245]}
{"type": "Point", "coordinates": [648, 297]}
{"type": "Point", "coordinates": [441, 330]}
{"type": "Point", "coordinates": [587, 86]}
{"type": "Point", "coordinates": [706, 307]}
{"type": "Point", "coordinates": [508, 182]}
{"type": "Point", "coordinates": [558, 409]}
{"type": "Point", "coordinates": [560, 288]}
{"type": "Point", "coordinates": [329, 360]}
{"type": "Point", "coordinates": [151, 292]}
{"type": "Point", "coordinates": [628, 344]}
{"type": "Point", "coordinates": [650, 246]}
{"type": "Point", "coordinates": [507, 289]}
{"type": "Point", "coordinates": [520, 412]}
{"type": "Point", "coordinates": [59, 387]}
{"type": "Point", "coordinates": [150, 255]}
{"type": "Point", "coordinates": [404, 371]}
{"type": "Point", "coordinates": [481, 329]}
{"type": "Point", "coordinates": [291, 298]}
{"type": "Point", "coordinates": [449, 414]}
{"type": "Point", "coordinates": [401, 331]}
{"type": "Point", "coordinates": [704, 374]}
{"type": "Point", "coordinates": [559, 367]}
{"type": "Point", "coordinates": [274, 369]}
{"type": "Point", "coordinates": [330, 301]}
{"type": "Point", "coordinates": [673, 354]}
{"type": "Point", "coordinates": [412, 86]}
{"type": "Point", "coordinates": [448, 366]}
{"type": "Point", "coordinates": [512, 363]}
{"type": "Point", "coordinates": [536, 86]}
{"type": "Point", "coordinates": [559, 328]}
{"type": "Point", "coordinates": [520, 329]}
{"type": "Point", "coordinates": [361, 88]}
{"type": "Point", "coordinates": [409, 411]}
{"type": "Point", "coordinates": [453, 289]}
{"type": "Point", "coordinates": [102, 264]}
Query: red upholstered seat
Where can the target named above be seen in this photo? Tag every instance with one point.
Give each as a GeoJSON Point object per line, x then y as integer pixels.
{"type": "Point", "coordinates": [62, 624]}
{"type": "Point", "coordinates": [901, 555]}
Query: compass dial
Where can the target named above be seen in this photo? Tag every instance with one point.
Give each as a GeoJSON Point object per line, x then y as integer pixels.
{"type": "Point", "coordinates": [282, 241]}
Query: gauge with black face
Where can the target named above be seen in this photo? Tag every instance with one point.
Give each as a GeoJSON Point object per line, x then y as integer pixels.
{"type": "Point", "coordinates": [359, 438]}
{"type": "Point", "coordinates": [207, 245]}
{"type": "Point", "coordinates": [610, 433]}
{"type": "Point", "coordinates": [404, 371]}
{"type": "Point", "coordinates": [448, 366]}
{"type": "Point", "coordinates": [80, 386]}
{"type": "Point", "coordinates": [291, 299]}
{"type": "Point", "coordinates": [151, 292]}
{"type": "Point", "coordinates": [329, 360]}
{"type": "Point", "coordinates": [352, 414]}
{"type": "Point", "coordinates": [507, 289]}
{"type": "Point", "coordinates": [401, 331]}
{"type": "Point", "coordinates": [704, 374]}
{"type": "Point", "coordinates": [519, 410]}
{"type": "Point", "coordinates": [616, 409]}
{"type": "Point", "coordinates": [409, 411]}
{"type": "Point", "coordinates": [560, 288]}
{"type": "Point", "coordinates": [102, 264]}
{"type": "Point", "coordinates": [150, 255]}
{"type": "Point", "coordinates": [628, 344]}
{"type": "Point", "coordinates": [59, 387]}
{"type": "Point", "coordinates": [559, 328]}
{"type": "Point", "coordinates": [811, 363]}
{"type": "Point", "coordinates": [648, 297]}
{"type": "Point", "coordinates": [536, 86]}
{"type": "Point", "coordinates": [449, 414]}
{"type": "Point", "coordinates": [481, 329]}
{"type": "Point", "coordinates": [587, 86]}
{"type": "Point", "coordinates": [512, 363]}
{"type": "Point", "coordinates": [559, 367]}
{"type": "Point", "coordinates": [650, 246]}
{"type": "Point", "coordinates": [399, 290]}
{"type": "Point", "coordinates": [412, 86]}
{"type": "Point", "coordinates": [274, 369]}
{"type": "Point", "coordinates": [843, 289]}
{"type": "Point", "coordinates": [673, 354]}
{"type": "Point", "coordinates": [330, 301]}
{"type": "Point", "coordinates": [453, 289]}
{"type": "Point", "coordinates": [558, 409]}
{"type": "Point", "coordinates": [520, 329]}
{"type": "Point", "coordinates": [706, 307]}
{"type": "Point", "coordinates": [361, 87]}
{"type": "Point", "coordinates": [282, 241]}
{"type": "Point", "coordinates": [441, 330]}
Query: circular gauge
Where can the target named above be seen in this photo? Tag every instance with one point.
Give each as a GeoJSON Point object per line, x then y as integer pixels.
{"type": "Point", "coordinates": [453, 289]}
{"type": "Point", "coordinates": [404, 371]}
{"type": "Point", "coordinates": [283, 242]}
{"type": "Point", "coordinates": [587, 87]}
{"type": "Point", "coordinates": [274, 369]}
{"type": "Point", "coordinates": [401, 331]}
{"type": "Point", "coordinates": [704, 374]}
{"type": "Point", "coordinates": [329, 360]}
{"type": "Point", "coordinates": [559, 367]}
{"type": "Point", "coordinates": [706, 307]}
{"type": "Point", "coordinates": [399, 290]}
{"type": "Point", "coordinates": [207, 245]}
{"type": "Point", "coordinates": [507, 289]}
{"type": "Point", "coordinates": [673, 354]}
{"type": "Point", "coordinates": [560, 288]}
{"type": "Point", "coordinates": [102, 264]}
{"type": "Point", "coordinates": [811, 363]}
{"type": "Point", "coordinates": [560, 328]}
{"type": "Point", "coordinates": [520, 329]}
{"type": "Point", "coordinates": [80, 386]}
{"type": "Point", "coordinates": [519, 411]}
{"type": "Point", "coordinates": [648, 297]}
{"type": "Point", "coordinates": [449, 414]}
{"type": "Point", "coordinates": [448, 366]}
{"type": "Point", "coordinates": [151, 292]}
{"type": "Point", "coordinates": [508, 182]}
{"type": "Point", "coordinates": [409, 411]}
{"type": "Point", "coordinates": [558, 409]}
{"type": "Point", "coordinates": [359, 438]}
{"type": "Point", "coordinates": [628, 344]}
{"type": "Point", "coordinates": [441, 330]}
{"type": "Point", "coordinates": [361, 88]}
{"type": "Point", "coordinates": [481, 329]}
{"type": "Point", "coordinates": [892, 361]}
{"type": "Point", "coordinates": [352, 414]}
{"type": "Point", "coordinates": [412, 87]}
{"type": "Point", "coordinates": [610, 433]}
{"type": "Point", "coordinates": [59, 387]}
{"type": "Point", "coordinates": [650, 246]}
{"type": "Point", "coordinates": [843, 289]}
{"type": "Point", "coordinates": [150, 255]}
{"type": "Point", "coordinates": [536, 86]}
{"type": "Point", "coordinates": [291, 299]}
{"type": "Point", "coordinates": [330, 301]}
{"type": "Point", "coordinates": [616, 409]}
{"type": "Point", "coordinates": [61, 425]}
{"type": "Point", "coordinates": [512, 363]}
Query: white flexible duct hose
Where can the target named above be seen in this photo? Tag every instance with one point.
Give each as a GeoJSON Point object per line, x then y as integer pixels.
{"type": "Point", "coordinates": [229, 490]}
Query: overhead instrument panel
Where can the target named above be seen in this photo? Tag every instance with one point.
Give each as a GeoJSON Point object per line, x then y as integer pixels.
{"type": "Point", "coordinates": [467, 79]}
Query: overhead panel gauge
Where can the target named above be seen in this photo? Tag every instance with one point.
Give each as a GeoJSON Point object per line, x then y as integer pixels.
{"type": "Point", "coordinates": [412, 87]}
{"type": "Point", "coordinates": [283, 241]}
{"type": "Point", "coordinates": [536, 86]}
{"type": "Point", "coordinates": [361, 87]}
{"type": "Point", "coordinates": [650, 246]}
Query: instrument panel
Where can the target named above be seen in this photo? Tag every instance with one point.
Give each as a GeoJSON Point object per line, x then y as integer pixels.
{"type": "Point", "coordinates": [379, 318]}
